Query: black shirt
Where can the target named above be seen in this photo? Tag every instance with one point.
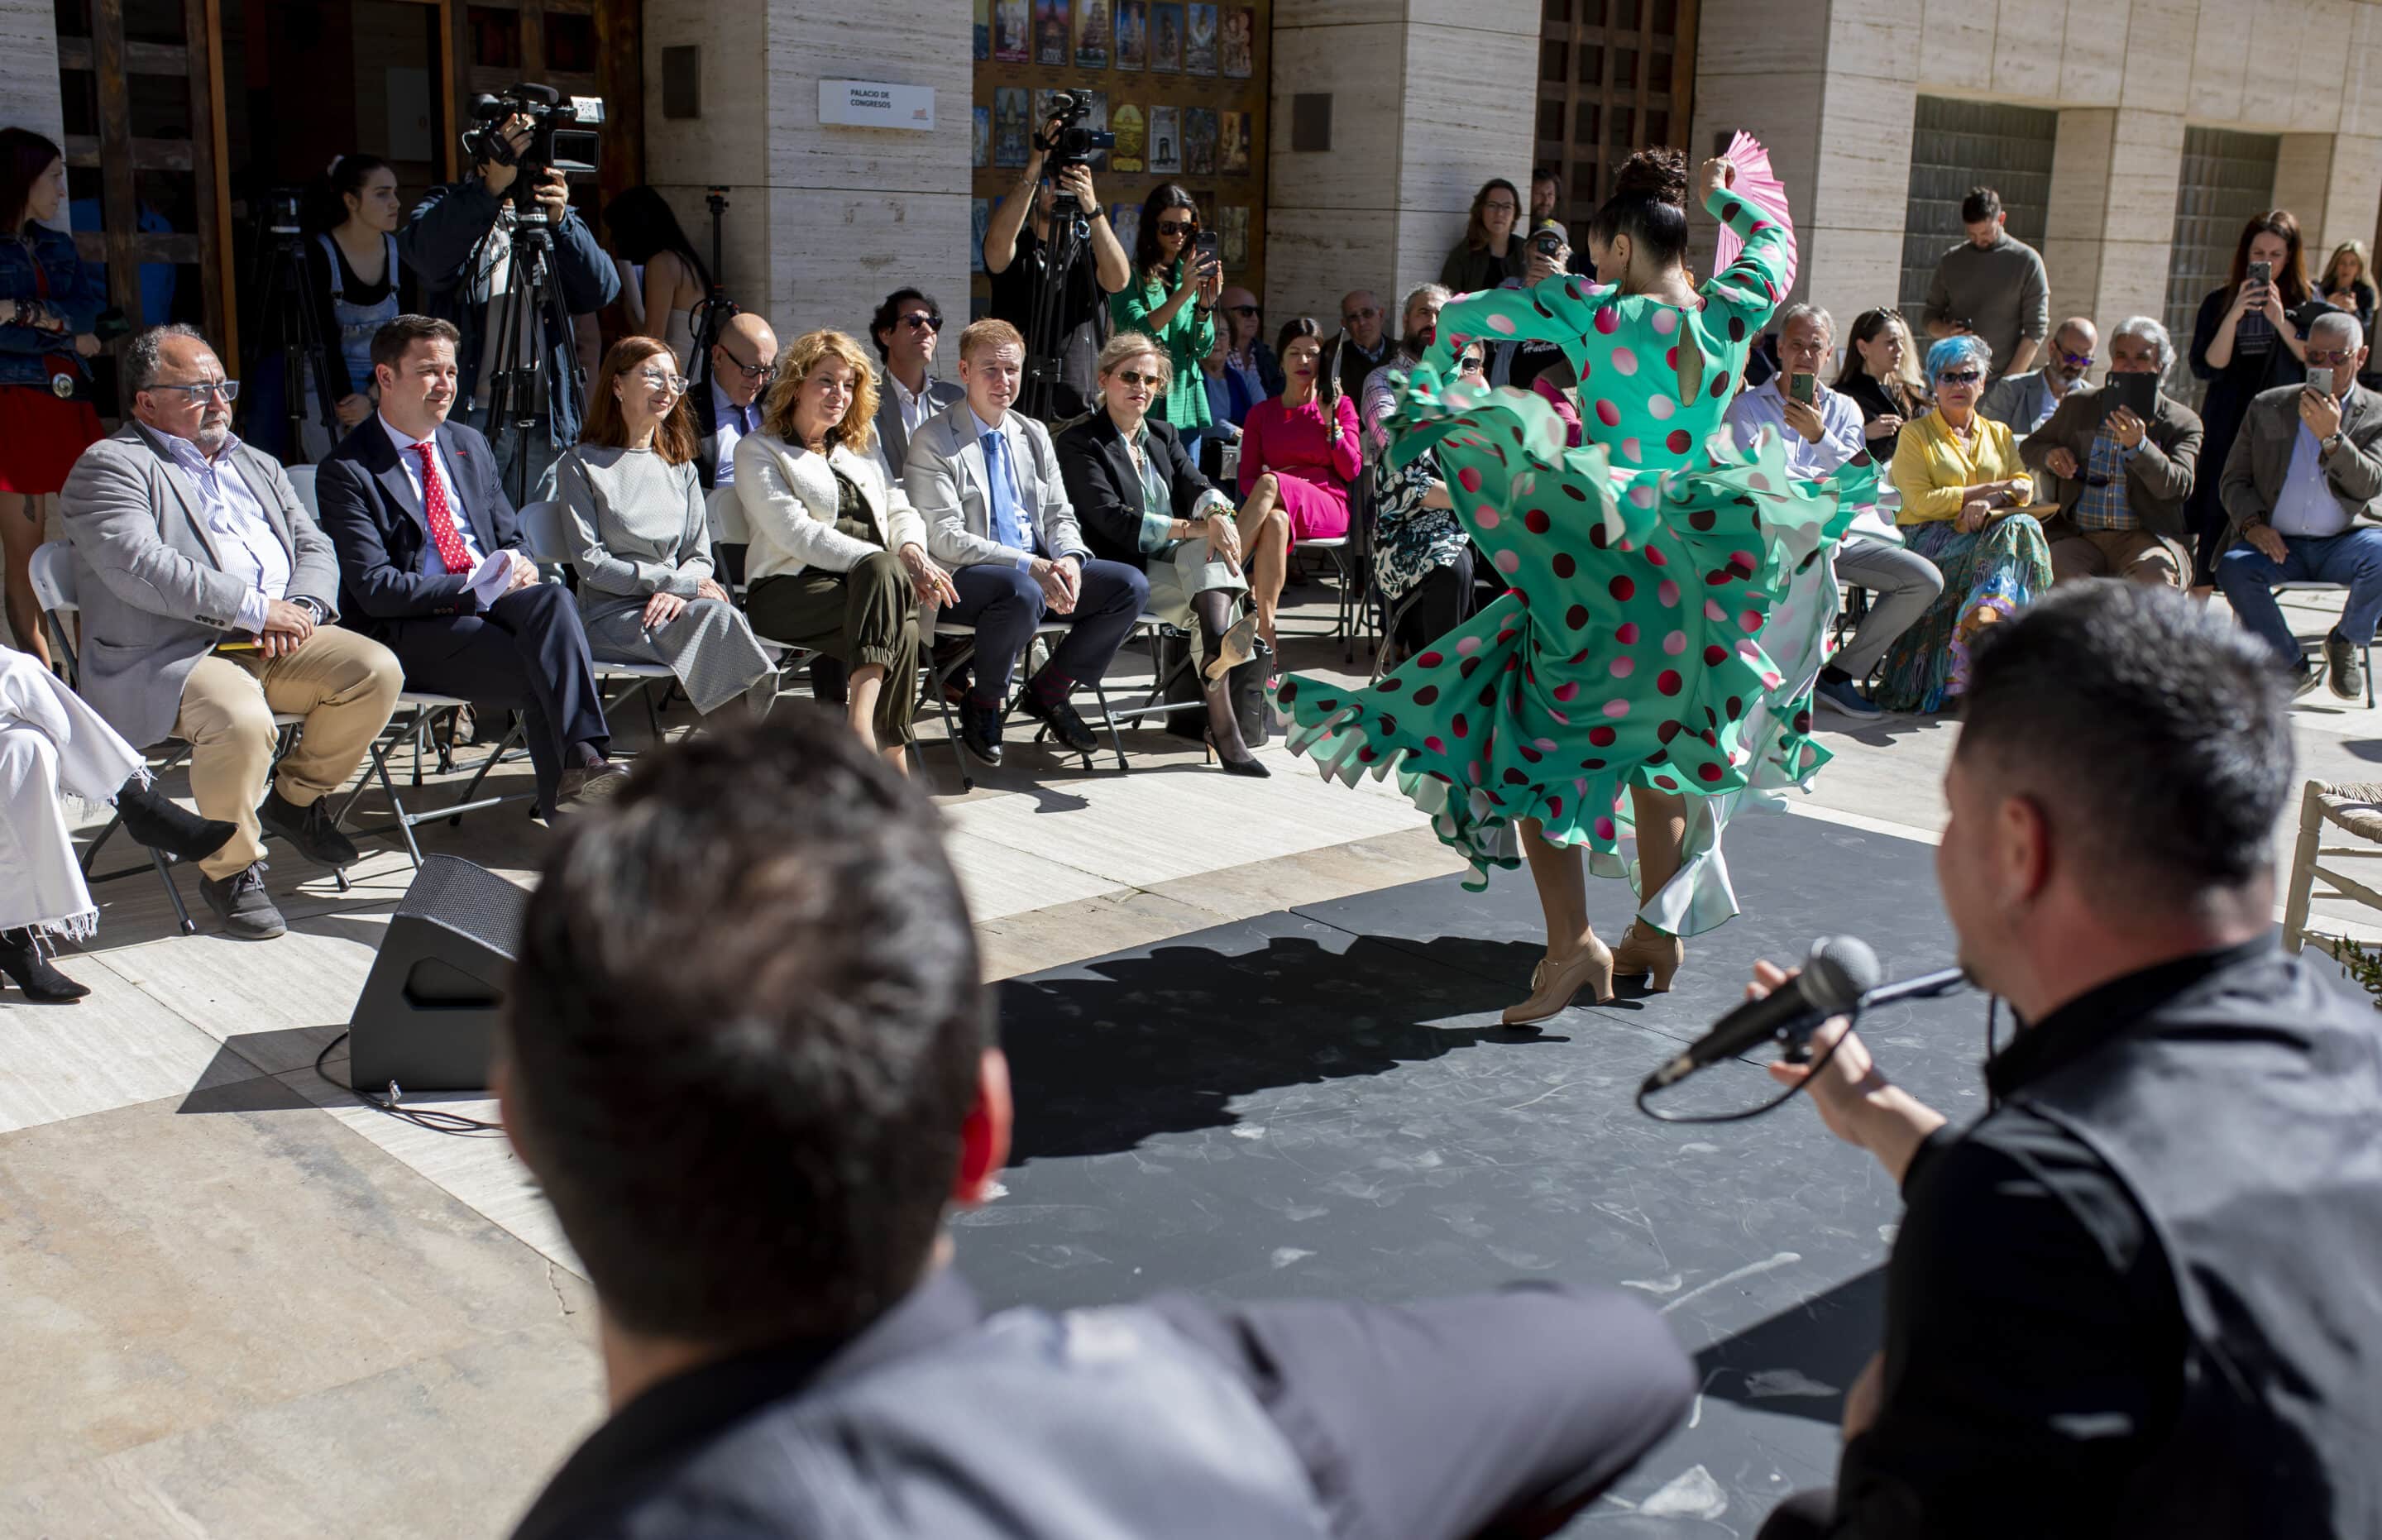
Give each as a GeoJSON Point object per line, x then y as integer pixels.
{"type": "Point", "coordinates": [1015, 287]}
{"type": "Point", "coordinates": [2034, 1343]}
{"type": "Point", "coordinates": [1484, 1415]}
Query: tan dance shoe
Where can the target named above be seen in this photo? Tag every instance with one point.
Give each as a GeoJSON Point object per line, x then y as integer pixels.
{"type": "Point", "coordinates": [1552, 988]}
{"type": "Point", "coordinates": [1646, 950]}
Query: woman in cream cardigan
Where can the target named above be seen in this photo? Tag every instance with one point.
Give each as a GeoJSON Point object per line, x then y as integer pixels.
{"type": "Point", "coordinates": [838, 562]}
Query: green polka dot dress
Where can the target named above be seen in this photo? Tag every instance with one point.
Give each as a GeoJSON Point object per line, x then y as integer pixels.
{"type": "Point", "coordinates": [1669, 589]}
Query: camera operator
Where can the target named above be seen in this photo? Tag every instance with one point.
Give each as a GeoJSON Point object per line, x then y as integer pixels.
{"type": "Point", "coordinates": [2137, 1296]}
{"type": "Point", "coordinates": [459, 244]}
{"type": "Point", "coordinates": [1017, 256]}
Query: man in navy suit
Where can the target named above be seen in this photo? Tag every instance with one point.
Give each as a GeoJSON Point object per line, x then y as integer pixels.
{"type": "Point", "coordinates": [430, 564]}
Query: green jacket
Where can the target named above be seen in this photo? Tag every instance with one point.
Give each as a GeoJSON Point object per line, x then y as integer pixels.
{"type": "Point", "coordinates": [1186, 340]}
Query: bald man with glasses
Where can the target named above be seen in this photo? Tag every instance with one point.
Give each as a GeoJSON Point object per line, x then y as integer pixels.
{"type": "Point", "coordinates": [728, 405]}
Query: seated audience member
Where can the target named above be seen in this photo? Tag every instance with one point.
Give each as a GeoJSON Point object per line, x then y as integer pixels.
{"type": "Point", "coordinates": [430, 562]}
{"type": "Point", "coordinates": [1298, 454]}
{"type": "Point", "coordinates": [905, 329]}
{"type": "Point", "coordinates": [2123, 482]}
{"type": "Point", "coordinates": [1422, 555]}
{"type": "Point", "coordinates": [640, 542]}
{"type": "Point", "coordinates": [1142, 503]}
{"type": "Point", "coordinates": [1881, 374]}
{"type": "Point", "coordinates": [1364, 340]}
{"type": "Point", "coordinates": [838, 561]}
{"type": "Point", "coordinates": [2024, 402]}
{"type": "Point", "coordinates": [988, 481]}
{"type": "Point", "coordinates": [1962, 485]}
{"type": "Point", "coordinates": [1250, 372]}
{"type": "Point", "coordinates": [2302, 487]}
{"type": "Point", "coordinates": [728, 405]}
{"type": "Point", "coordinates": [52, 743]}
{"type": "Point", "coordinates": [1819, 437]}
{"type": "Point", "coordinates": [2134, 1300]}
{"type": "Point", "coordinates": [787, 1341]}
{"type": "Point", "coordinates": [1419, 318]}
{"type": "Point", "coordinates": [207, 601]}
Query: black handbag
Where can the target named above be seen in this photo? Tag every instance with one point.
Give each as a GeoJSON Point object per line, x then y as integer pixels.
{"type": "Point", "coordinates": [1247, 684]}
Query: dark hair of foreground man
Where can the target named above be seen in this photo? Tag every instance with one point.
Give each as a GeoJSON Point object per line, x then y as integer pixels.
{"type": "Point", "coordinates": [749, 1059]}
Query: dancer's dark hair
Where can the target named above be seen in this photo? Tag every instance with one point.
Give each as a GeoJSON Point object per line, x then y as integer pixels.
{"type": "Point", "coordinates": [1649, 205]}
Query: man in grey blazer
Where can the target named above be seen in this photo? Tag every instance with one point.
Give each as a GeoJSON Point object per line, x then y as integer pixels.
{"type": "Point", "coordinates": [2024, 402]}
{"type": "Point", "coordinates": [988, 481]}
{"type": "Point", "coordinates": [2302, 488]}
{"type": "Point", "coordinates": [905, 329]}
{"type": "Point", "coordinates": [207, 601]}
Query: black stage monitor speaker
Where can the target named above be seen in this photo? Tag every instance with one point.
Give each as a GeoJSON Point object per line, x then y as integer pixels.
{"type": "Point", "coordinates": [427, 1017]}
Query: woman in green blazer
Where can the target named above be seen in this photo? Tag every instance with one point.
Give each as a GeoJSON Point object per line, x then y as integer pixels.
{"type": "Point", "coordinates": [1174, 301]}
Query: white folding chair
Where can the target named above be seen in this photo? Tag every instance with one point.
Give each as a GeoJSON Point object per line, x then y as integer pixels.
{"type": "Point", "coordinates": [2315, 649]}
{"type": "Point", "coordinates": [54, 592]}
{"type": "Point", "coordinates": [542, 537]}
{"type": "Point", "coordinates": [302, 481]}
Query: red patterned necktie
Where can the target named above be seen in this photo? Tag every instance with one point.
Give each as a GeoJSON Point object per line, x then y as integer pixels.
{"type": "Point", "coordinates": [442, 519]}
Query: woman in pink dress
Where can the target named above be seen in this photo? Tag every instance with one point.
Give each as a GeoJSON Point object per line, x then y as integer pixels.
{"type": "Point", "coordinates": [1299, 452]}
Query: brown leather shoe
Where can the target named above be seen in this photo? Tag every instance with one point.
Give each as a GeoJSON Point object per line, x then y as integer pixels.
{"type": "Point", "coordinates": [589, 784]}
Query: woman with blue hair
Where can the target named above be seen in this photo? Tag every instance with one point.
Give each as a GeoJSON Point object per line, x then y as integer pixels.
{"type": "Point", "coordinates": [1962, 488]}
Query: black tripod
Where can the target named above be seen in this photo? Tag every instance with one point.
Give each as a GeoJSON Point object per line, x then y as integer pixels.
{"type": "Point", "coordinates": [534, 317]}
{"type": "Point", "coordinates": [286, 324]}
{"type": "Point", "coordinates": [1046, 323]}
{"type": "Point", "coordinates": [716, 309]}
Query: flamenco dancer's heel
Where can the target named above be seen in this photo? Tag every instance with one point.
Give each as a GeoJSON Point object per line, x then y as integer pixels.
{"type": "Point", "coordinates": [1552, 988]}
{"type": "Point", "coordinates": [1646, 950]}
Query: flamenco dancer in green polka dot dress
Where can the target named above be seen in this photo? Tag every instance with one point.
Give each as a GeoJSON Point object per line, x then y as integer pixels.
{"type": "Point", "coordinates": [1669, 591]}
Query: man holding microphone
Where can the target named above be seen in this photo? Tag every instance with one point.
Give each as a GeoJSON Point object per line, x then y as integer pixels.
{"type": "Point", "coordinates": [2140, 1296]}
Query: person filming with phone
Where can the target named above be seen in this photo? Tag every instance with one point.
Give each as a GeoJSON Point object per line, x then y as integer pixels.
{"type": "Point", "coordinates": [2136, 1298]}
{"type": "Point", "coordinates": [1178, 275]}
{"type": "Point", "coordinates": [2125, 457]}
{"type": "Point", "coordinates": [2251, 337]}
{"type": "Point", "coordinates": [1823, 429]}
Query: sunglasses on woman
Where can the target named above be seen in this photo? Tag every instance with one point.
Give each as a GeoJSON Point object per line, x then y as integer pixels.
{"type": "Point", "coordinates": [1960, 376]}
{"type": "Point", "coordinates": [1135, 377]}
{"type": "Point", "coordinates": [1177, 227]}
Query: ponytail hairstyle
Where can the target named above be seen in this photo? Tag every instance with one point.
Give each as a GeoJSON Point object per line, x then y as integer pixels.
{"type": "Point", "coordinates": [326, 198]}
{"type": "Point", "coordinates": [1649, 205]}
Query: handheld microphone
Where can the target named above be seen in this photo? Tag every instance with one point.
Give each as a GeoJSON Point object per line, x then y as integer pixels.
{"type": "Point", "coordinates": [1838, 973]}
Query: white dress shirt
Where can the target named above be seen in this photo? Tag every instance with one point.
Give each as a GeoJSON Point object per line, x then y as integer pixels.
{"type": "Point", "coordinates": [732, 422]}
{"type": "Point", "coordinates": [244, 537]}
{"type": "Point", "coordinates": [914, 408]}
{"type": "Point", "coordinates": [1840, 427]}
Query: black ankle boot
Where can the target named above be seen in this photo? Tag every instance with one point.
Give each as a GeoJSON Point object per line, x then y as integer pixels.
{"type": "Point", "coordinates": [161, 823]}
{"type": "Point", "coordinates": [21, 960]}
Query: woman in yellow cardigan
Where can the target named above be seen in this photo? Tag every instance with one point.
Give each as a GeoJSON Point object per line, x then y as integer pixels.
{"type": "Point", "coordinates": [1961, 482]}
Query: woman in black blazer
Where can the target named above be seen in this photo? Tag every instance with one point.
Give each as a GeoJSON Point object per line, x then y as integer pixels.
{"type": "Point", "coordinates": [1141, 501]}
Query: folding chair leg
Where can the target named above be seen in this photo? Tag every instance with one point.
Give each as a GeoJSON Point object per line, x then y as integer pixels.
{"type": "Point", "coordinates": [1116, 741]}
{"type": "Point", "coordinates": [2302, 878]}
{"type": "Point", "coordinates": [174, 894]}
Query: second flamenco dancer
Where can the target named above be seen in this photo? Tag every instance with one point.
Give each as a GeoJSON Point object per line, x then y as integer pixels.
{"type": "Point", "coordinates": [1669, 592]}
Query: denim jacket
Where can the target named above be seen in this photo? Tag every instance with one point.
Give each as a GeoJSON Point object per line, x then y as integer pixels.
{"type": "Point", "coordinates": [78, 291]}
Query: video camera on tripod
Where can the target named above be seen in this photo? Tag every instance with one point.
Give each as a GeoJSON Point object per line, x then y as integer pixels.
{"type": "Point", "coordinates": [563, 138]}
{"type": "Point", "coordinates": [1065, 145]}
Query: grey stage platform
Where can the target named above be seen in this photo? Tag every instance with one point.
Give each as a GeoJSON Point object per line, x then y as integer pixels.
{"type": "Point", "coordinates": [1321, 1102]}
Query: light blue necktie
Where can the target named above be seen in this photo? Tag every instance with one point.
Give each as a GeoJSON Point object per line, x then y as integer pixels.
{"type": "Point", "coordinates": [1009, 523]}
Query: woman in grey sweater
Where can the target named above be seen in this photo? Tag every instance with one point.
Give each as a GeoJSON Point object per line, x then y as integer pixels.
{"type": "Point", "coordinates": [639, 539]}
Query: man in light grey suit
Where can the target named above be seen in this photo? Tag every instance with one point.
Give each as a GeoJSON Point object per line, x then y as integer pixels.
{"type": "Point", "coordinates": [905, 329]}
{"type": "Point", "coordinates": [207, 598]}
{"type": "Point", "coordinates": [2024, 402]}
{"type": "Point", "coordinates": [986, 480]}
{"type": "Point", "coordinates": [2304, 487]}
